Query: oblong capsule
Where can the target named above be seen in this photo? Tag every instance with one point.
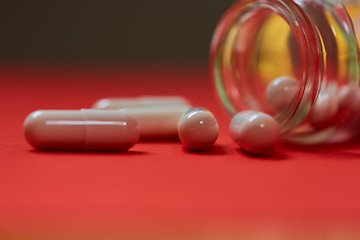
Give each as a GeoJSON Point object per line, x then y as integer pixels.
{"type": "Point", "coordinates": [117, 103]}
{"type": "Point", "coordinates": [85, 129]}
{"type": "Point", "coordinates": [158, 122]}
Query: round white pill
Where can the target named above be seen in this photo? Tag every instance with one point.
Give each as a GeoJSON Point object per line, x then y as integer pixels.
{"type": "Point", "coordinates": [325, 109]}
{"type": "Point", "coordinates": [198, 129]}
{"type": "Point", "coordinates": [348, 97]}
{"type": "Point", "coordinates": [158, 116]}
{"type": "Point", "coordinates": [255, 132]}
{"type": "Point", "coordinates": [281, 92]}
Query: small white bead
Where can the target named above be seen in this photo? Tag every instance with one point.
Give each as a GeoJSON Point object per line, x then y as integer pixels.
{"type": "Point", "coordinates": [281, 92]}
{"type": "Point", "coordinates": [255, 132]}
{"type": "Point", "coordinates": [198, 129]}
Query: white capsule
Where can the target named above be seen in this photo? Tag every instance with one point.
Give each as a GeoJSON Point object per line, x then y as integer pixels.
{"type": "Point", "coordinates": [102, 130]}
{"type": "Point", "coordinates": [158, 122]}
{"type": "Point", "coordinates": [281, 92]}
{"type": "Point", "coordinates": [198, 129]}
{"type": "Point", "coordinates": [158, 116]}
{"type": "Point", "coordinates": [140, 102]}
{"type": "Point", "coordinates": [255, 132]}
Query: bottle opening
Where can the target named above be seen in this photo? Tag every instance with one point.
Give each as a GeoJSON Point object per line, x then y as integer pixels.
{"type": "Point", "coordinates": [310, 42]}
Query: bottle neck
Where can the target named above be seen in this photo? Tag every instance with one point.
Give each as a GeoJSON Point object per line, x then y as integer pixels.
{"type": "Point", "coordinates": [245, 56]}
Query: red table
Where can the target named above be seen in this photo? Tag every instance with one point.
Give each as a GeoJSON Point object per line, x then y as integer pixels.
{"type": "Point", "coordinates": [157, 180]}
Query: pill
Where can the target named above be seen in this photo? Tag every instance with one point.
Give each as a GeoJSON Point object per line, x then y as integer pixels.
{"type": "Point", "coordinates": [348, 97]}
{"type": "Point", "coordinates": [158, 122]}
{"type": "Point", "coordinates": [117, 103]}
{"type": "Point", "coordinates": [325, 108]}
{"type": "Point", "coordinates": [198, 129]}
{"type": "Point", "coordinates": [158, 116]}
{"type": "Point", "coordinates": [86, 129]}
{"type": "Point", "coordinates": [281, 92]}
{"type": "Point", "coordinates": [255, 132]}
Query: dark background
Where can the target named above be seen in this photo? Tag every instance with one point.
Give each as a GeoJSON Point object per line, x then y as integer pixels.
{"type": "Point", "coordinates": [110, 31]}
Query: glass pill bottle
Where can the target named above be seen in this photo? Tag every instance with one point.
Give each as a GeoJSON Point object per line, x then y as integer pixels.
{"type": "Point", "coordinates": [313, 42]}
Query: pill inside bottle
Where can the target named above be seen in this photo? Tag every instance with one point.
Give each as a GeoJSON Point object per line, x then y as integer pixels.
{"type": "Point", "coordinates": [281, 92]}
{"type": "Point", "coordinates": [85, 129]}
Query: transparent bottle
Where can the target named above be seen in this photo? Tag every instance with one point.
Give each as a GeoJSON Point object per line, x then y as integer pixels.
{"type": "Point", "coordinates": [311, 41]}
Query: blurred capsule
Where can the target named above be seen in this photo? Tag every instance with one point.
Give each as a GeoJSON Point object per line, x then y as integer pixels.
{"type": "Point", "coordinates": [140, 102]}
{"type": "Point", "coordinates": [158, 122]}
{"type": "Point", "coordinates": [158, 116]}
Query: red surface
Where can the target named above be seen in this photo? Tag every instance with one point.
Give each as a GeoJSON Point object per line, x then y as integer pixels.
{"type": "Point", "coordinates": [157, 179]}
